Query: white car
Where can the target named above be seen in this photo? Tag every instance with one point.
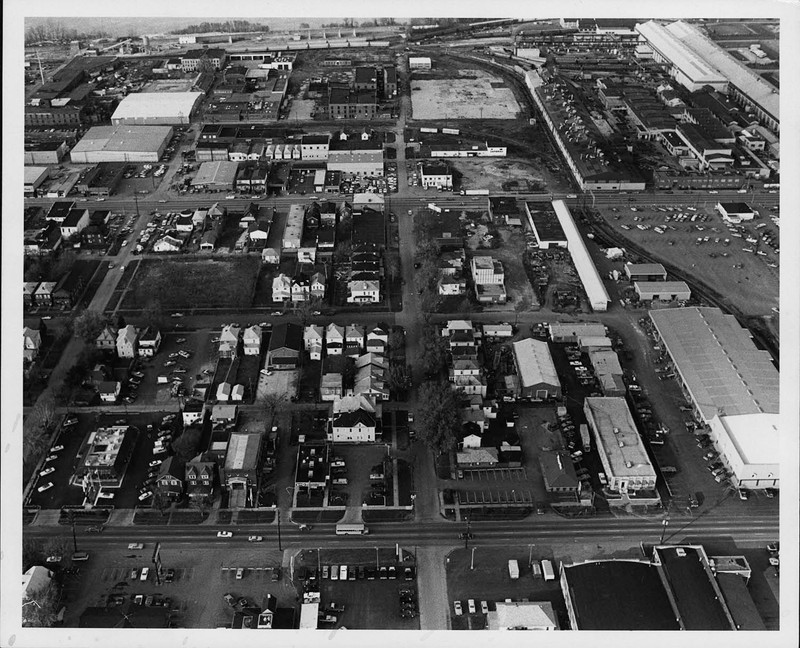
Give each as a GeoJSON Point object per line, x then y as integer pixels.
{"type": "Point", "coordinates": [265, 372]}
{"type": "Point", "coordinates": [52, 457]}
{"type": "Point", "coordinates": [224, 534]}
{"type": "Point", "coordinates": [471, 606]}
{"type": "Point", "coordinates": [47, 471]}
{"type": "Point", "coordinates": [136, 545]}
{"type": "Point", "coordinates": [255, 539]}
{"type": "Point", "coordinates": [57, 448]}
{"type": "Point", "coordinates": [145, 495]}
{"type": "Point", "coordinates": [484, 607]}
{"type": "Point", "coordinates": [106, 495]}
{"type": "Point", "coordinates": [145, 572]}
{"type": "Point", "coordinates": [155, 462]}
{"type": "Point", "coordinates": [47, 486]}
{"type": "Point", "coordinates": [457, 608]}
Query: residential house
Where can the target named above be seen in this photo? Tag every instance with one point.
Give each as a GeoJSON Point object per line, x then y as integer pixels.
{"type": "Point", "coordinates": [270, 256]}
{"type": "Point", "coordinates": [184, 223]}
{"type": "Point", "coordinates": [313, 337]}
{"type": "Point", "coordinates": [354, 427]}
{"type": "Point", "coordinates": [250, 216]}
{"type": "Point", "coordinates": [370, 377]}
{"type": "Point", "coordinates": [252, 340]}
{"type": "Point", "coordinates": [284, 346]}
{"type": "Point", "coordinates": [107, 340]}
{"type": "Point", "coordinates": [334, 339]}
{"type": "Point", "coordinates": [199, 219]}
{"type": "Point", "coordinates": [259, 232]}
{"type": "Point", "coordinates": [378, 339]}
{"type": "Point", "coordinates": [224, 390]}
{"type": "Point", "coordinates": [199, 478]}
{"type": "Point", "coordinates": [332, 378]}
{"type": "Point", "coordinates": [301, 288]}
{"type": "Point", "coordinates": [32, 342]}
{"type": "Point", "coordinates": [281, 288]}
{"type": "Point", "coordinates": [208, 242]}
{"type": "Point", "coordinates": [127, 341]}
{"type": "Point", "coordinates": [451, 284]}
{"type": "Point", "coordinates": [193, 410]}
{"type": "Point", "coordinates": [74, 223]}
{"type": "Point", "coordinates": [477, 458]}
{"type": "Point", "coordinates": [307, 253]}
{"type": "Point", "coordinates": [237, 393]}
{"type": "Point", "coordinates": [28, 292]}
{"type": "Point", "coordinates": [43, 297]}
{"type": "Point", "coordinates": [169, 483]}
{"type": "Point", "coordinates": [317, 287]}
{"type": "Point", "coordinates": [471, 442]}
{"type": "Point", "coordinates": [109, 390]}
{"type": "Point", "coordinates": [229, 341]}
{"type": "Point", "coordinates": [149, 342]}
{"type": "Point", "coordinates": [363, 292]}
{"type": "Point", "coordinates": [168, 244]}
{"type": "Point", "coordinates": [354, 339]}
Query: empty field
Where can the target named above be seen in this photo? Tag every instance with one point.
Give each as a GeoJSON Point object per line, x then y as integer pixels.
{"type": "Point", "coordinates": [475, 95]}
{"type": "Point", "coordinates": [194, 284]}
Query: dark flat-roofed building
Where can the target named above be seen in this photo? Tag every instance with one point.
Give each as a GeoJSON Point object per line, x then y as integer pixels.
{"type": "Point", "coordinates": [545, 225]}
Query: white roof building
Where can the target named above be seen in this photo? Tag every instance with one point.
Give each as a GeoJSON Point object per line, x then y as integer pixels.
{"type": "Point", "coordinates": [157, 108]}
{"type": "Point", "coordinates": [536, 370]}
{"type": "Point", "coordinates": [590, 278]}
{"type": "Point", "coordinates": [523, 615]}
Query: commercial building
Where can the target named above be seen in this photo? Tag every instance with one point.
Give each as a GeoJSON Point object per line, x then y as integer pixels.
{"type": "Point", "coordinates": [358, 158]}
{"type": "Point", "coordinates": [537, 373]}
{"type": "Point", "coordinates": [558, 473]}
{"type": "Point", "coordinates": [573, 332]}
{"type": "Point", "coordinates": [619, 446]}
{"type": "Point", "coordinates": [436, 174]}
{"type": "Point", "coordinates": [293, 232]}
{"type": "Point", "coordinates": [216, 176]}
{"type": "Point", "coordinates": [545, 225]}
{"type": "Point", "coordinates": [662, 290]}
{"type": "Point", "coordinates": [735, 212]}
{"type": "Point", "coordinates": [645, 272]}
{"type": "Point", "coordinates": [592, 283]}
{"type": "Point", "coordinates": [33, 179]}
{"type": "Point", "coordinates": [45, 153]}
{"type": "Point", "coordinates": [489, 279]}
{"type": "Point", "coordinates": [522, 615]}
{"type": "Point", "coordinates": [101, 180]}
{"type": "Point", "coordinates": [344, 103]}
{"type": "Point", "coordinates": [732, 385]}
{"type": "Point", "coordinates": [193, 59]}
{"type": "Point", "coordinates": [129, 144]}
{"type": "Point", "coordinates": [419, 62]}
{"type": "Point", "coordinates": [105, 454]}
{"type": "Point", "coordinates": [241, 469]}
{"type": "Point", "coordinates": [285, 345]}
{"type": "Point", "coordinates": [315, 147]}
{"type": "Point", "coordinates": [157, 108]}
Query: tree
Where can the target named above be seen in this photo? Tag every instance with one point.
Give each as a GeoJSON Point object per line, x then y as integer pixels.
{"type": "Point", "coordinates": [187, 445]}
{"type": "Point", "coordinates": [202, 504]}
{"type": "Point", "coordinates": [400, 378]}
{"type": "Point", "coordinates": [273, 402]}
{"type": "Point", "coordinates": [304, 25]}
{"type": "Point", "coordinates": [44, 412]}
{"type": "Point", "coordinates": [40, 609]}
{"type": "Point", "coordinates": [343, 251]}
{"type": "Point", "coordinates": [438, 418]}
{"type": "Point", "coordinates": [392, 263]}
{"type": "Point", "coordinates": [88, 325]}
{"type": "Point", "coordinates": [306, 309]}
{"type": "Point", "coordinates": [434, 352]}
{"type": "Point", "coordinates": [396, 341]}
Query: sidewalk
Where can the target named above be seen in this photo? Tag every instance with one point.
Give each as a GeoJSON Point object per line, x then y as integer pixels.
{"type": "Point", "coordinates": [434, 605]}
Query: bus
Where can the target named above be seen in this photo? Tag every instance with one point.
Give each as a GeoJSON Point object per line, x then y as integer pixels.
{"type": "Point", "coordinates": [351, 529]}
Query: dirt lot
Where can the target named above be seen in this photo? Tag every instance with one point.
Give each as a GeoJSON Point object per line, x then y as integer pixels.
{"type": "Point", "coordinates": [474, 95]}
{"type": "Point", "coordinates": [744, 278]}
{"type": "Point", "coordinates": [494, 174]}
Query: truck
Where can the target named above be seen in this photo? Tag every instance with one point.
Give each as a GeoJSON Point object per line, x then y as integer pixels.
{"type": "Point", "coordinates": [428, 130]}
{"type": "Point", "coordinates": [513, 569]}
{"type": "Point", "coordinates": [474, 192]}
{"type": "Point", "coordinates": [451, 131]}
{"type": "Point", "coordinates": [351, 529]}
{"type": "Point", "coordinates": [547, 570]}
{"type": "Point", "coordinates": [585, 438]}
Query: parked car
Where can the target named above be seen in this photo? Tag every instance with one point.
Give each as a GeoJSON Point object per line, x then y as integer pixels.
{"type": "Point", "coordinates": [47, 471]}
{"type": "Point", "coordinates": [45, 487]}
{"type": "Point", "coordinates": [471, 606]}
{"type": "Point", "coordinates": [457, 608]}
{"type": "Point", "coordinates": [254, 539]}
{"type": "Point", "coordinates": [224, 534]}
{"type": "Point", "coordinates": [136, 545]}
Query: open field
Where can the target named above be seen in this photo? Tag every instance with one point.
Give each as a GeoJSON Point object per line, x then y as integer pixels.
{"type": "Point", "coordinates": [475, 95]}
{"type": "Point", "coordinates": [195, 284]}
{"type": "Point", "coordinates": [508, 174]}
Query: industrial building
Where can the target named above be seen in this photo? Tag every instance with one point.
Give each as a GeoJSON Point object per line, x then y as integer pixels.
{"type": "Point", "coordinates": [356, 159]}
{"type": "Point", "coordinates": [735, 212]}
{"type": "Point", "coordinates": [733, 387]}
{"type": "Point", "coordinates": [157, 108]}
{"type": "Point", "coordinates": [662, 290]}
{"type": "Point", "coordinates": [572, 332]}
{"type": "Point", "coordinates": [645, 272]}
{"type": "Point", "coordinates": [216, 176]}
{"type": "Point", "coordinates": [45, 153]}
{"type": "Point", "coordinates": [436, 174]}
{"type": "Point", "coordinates": [545, 225]}
{"type": "Point", "coordinates": [241, 470]}
{"type": "Point", "coordinates": [538, 378]}
{"type": "Point", "coordinates": [33, 178]}
{"type": "Point", "coordinates": [620, 447]}
{"type": "Point", "coordinates": [122, 144]}
{"type": "Point", "coordinates": [592, 283]}
{"type": "Point", "coordinates": [419, 62]}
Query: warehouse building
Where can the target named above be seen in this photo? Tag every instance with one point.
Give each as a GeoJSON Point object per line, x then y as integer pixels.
{"type": "Point", "coordinates": [645, 272]}
{"type": "Point", "coordinates": [157, 108]}
{"type": "Point", "coordinates": [545, 225]}
{"type": "Point", "coordinates": [538, 379]}
{"type": "Point", "coordinates": [572, 332]}
{"type": "Point", "coordinates": [45, 153]}
{"type": "Point", "coordinates": [419, 62]}
{"type": "Point", "coordinates": [293, 232]}
{"type": "Point", "coordinates": [592, 283]}
{"type": "Point", "coordinates": [735, 212]}
{"type": "Point", "coordinates": [122, 144]}
{"type": "Point", "coordinates": [733, 386]}
{"type": "Point", "coordinates": [662, 290]}
{"type": "Point", "coordinates": [359, 162]}
{"type": "Point", "coordinates": [624, 458]}
{"type": "Point", "coordinates": [216, 176]}
{"type": "Point", "coordinates": [34, 177]}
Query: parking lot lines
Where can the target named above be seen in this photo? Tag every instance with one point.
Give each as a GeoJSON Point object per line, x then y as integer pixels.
{"type": "Point", "coordinates": [514, 496]}
{"type": "Point", "coordinates": [496, 474]}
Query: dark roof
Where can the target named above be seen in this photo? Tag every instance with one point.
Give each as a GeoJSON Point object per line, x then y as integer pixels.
{"type": "Point", "coordinates": [547, 225]}
{"type": "Point", "coordinates": [288, 336]}
{"type": "Point", "coordinates": [740, 602]}
{"type": "Point", "coordinates": [691, 584]}
{"type": "Point", "coordinates": [316, 139]}
{"type": "Point", "coordinates": [736, 207]}
{"type": "Point", "coordinates": [172, 467]}
{"type": "Point", "coordinates": [60, 209]}
{"type": "Point", "coordinates": [211, 52]}
{"type": "Point", "coordinates": [349, 419]}
{"type": "Point", "coordinates": [619, 595]}
{"type": "Point", "coordinates": [503, 205]}
{"type": "Point", "coordinates": [365, 75]}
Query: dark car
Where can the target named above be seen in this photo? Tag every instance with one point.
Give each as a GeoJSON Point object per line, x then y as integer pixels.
{"type": "Point", "coordinates": [371, 571]}
{"type": "Point", "coordinates": [169, 576]}
{"type": "Point", "coordinates": [362, 572]}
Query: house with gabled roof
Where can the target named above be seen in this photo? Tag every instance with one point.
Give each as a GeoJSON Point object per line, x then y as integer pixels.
{"type": "Point", "coordinates": [32, 342]}
{"type": "Point", "coordinates": [281, 288]}
{"type": "Point", "coordinates": [149, 342]}
{"type": "Point", "coordinates": [270, 256]}
{"type": "Point", "coordinates": [252, 340]}
{"type": "Point", "coordinates": [44, 294]}
{"type": "Point", "coordinates": [109, 390]}
{"type": "Point", "coordinates": [313, 338]}
{"type": "Point", "coordinates": [558, 473]}
{"type": "Point", "coordinates": [334, 339]}
{"type": "Point", "coordinates": [229, 341]}
{"type": "Point", "coordinates": [199, 477]}
{"type": "Point", "coordinates": [317, 286]}
{"type": "Point", "coordinates": [127, 341]}
{"type": "Point", "coordinates": [301, 288]}
{"type": "Point", "coordinates": [28, 292]}
{"type": "Point", "coordinates": [169, 483]}
{"type": "Point", "coordinates": [332, 377]}
{"type": "Point", "coordinates": [107, 340]}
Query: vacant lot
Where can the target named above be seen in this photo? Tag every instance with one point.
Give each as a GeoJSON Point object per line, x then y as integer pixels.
{"type": "Point", "coordinates": [474, 95]}
{"type": "Point", "coordinates": [174, 284]}
{"type": "Point", "coordinates": [508, 174]}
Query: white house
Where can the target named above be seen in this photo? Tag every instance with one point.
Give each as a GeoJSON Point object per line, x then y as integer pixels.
{"type": "Point", "coordinates": [334, 339]}
{"type": "Point", "coordinates": [271, 256]}
{"type": "Point", "coordinates": [313, 337]}
{"type": "Point", "coordinates": [149, 342]}
{"type": "Point", "coordinates": [127, 341]}
{"type": "Point", "coordinates": [281, 288]}
{"type": "Point", "coordinates": [364, 292]}
{"type": "Point", "coordinates": [167, 244]}
{"type": "Point", "coordinates": [252, 340]}
{"type": "Point", "coordinates": [229, 341]}
{"type": "Point", "coordinates": [317, 287]}
{"type": "Point", "coordinates": [354, 336]}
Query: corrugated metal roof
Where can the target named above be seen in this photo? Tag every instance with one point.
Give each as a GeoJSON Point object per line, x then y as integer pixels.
{"type": "Point", "coordinates": [535, 363]}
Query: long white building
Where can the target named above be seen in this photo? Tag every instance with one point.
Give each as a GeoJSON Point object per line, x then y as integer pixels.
{"type": "Point", "coordinates": [590, 278]}
{"type": "Point", "coordinates": [732, 385]}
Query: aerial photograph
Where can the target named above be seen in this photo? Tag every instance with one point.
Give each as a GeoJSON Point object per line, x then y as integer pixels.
{"type": "Point", "coordinates": [438, 323]}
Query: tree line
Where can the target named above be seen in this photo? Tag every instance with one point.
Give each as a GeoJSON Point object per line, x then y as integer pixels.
{"type": "Point", "coordinates": [227, 27]}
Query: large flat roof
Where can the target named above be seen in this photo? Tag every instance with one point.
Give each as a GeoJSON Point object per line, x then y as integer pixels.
{"type": "Point", "coordinates": [756, 437]}
{"type": "Point", "coordinates": [679, 54]}
{"type": "Point", "coordinates": [179, 105]}
{"type": "Point", "coordinates": [242, 451]}
{"type": "Point", "coordinates": [692, 587]}
{"type": "Point", "coordinates": [545, 222]}
{"type": "Point", "coordinates": [218, 172]}
{"type": "Point", "coordinates": [123, 138]}
{"type": "Point", "coordinates": [33, 173]}
{"type": "Point", "coordinates": [535, 363]}
{"type": "Point", "coordinates": [718, 362]}
{"type": "Point", "coordinates": [746, 80]}
{"type": "Point", "coordinates": [618, 595]}
{"type": "Point", "coordinates": [590, 278]}
{"type": "Point", "coordinates": [617, 435]}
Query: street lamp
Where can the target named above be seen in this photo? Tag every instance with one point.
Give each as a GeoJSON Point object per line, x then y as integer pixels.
{"type": "Point", "coordinates": [664, 524]}
{"type": "Point", "coordinates": [472, 559]}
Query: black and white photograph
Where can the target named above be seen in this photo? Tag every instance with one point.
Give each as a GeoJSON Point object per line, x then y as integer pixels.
{"type": "Point", "coordinates": [466, 319]}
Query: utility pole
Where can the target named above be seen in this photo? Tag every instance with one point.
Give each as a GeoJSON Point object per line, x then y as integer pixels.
{"type": "Point", "coordinates": [74, 537]}
{"type": "Point", "coordinates": [280, 548]}
{"type": "Point", "coordinates": [664, 524]}
{"type": "Point", "coordinates": [472, 559]}
{"type": "Point", "coordinates": [466, 535]}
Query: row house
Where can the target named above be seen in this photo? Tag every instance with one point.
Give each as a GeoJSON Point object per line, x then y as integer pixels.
{"type": "Point", "coordinates": [229, 341]}
{"type": "Point", "coordinates": [251, 339]}
{"type": "Point", "coordinates": [334, 339]}
{"type": "Point", "coordinates": [313, 341]}
{"type": "Point", "coordinates": [127, 342]}
{"type": "Point", "coordinates": [149, 342]}
{"type": "Point", "coordinates": [371, 377]}
{"type": "Point", "coordinates": [332, 387]}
